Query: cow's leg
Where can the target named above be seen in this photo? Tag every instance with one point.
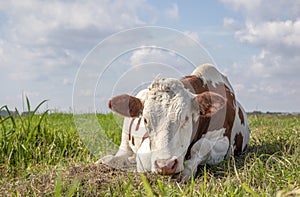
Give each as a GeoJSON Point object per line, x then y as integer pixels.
{"type": "Point", "coordinates": [143, 157]}
{"type": "Point", "coordinates": [205, 150]}
{"type": "Point", "coordinates": [125, 157]}
{"type": "Point", "coordinates": [122, 160]}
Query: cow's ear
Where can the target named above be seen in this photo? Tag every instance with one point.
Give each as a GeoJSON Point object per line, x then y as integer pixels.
{"type": "Point", "coordinates": [126, 105]}
{"type": "Point", "coordinates": [209, 103]}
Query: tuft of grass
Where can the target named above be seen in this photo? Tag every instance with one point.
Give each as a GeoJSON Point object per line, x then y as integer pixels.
{"type": "Point", "coordinates": [37, 139]}
{"type": "Point", "coordinates": [19, 135]}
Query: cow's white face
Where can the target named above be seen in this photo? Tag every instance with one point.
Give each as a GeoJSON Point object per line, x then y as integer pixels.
{"type": "Point", "coordinates": [169, 116]}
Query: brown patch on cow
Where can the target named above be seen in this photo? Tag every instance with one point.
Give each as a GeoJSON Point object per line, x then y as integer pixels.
{"type": "Point", "coordinates": [238, 143]}
{"type": "Point", "coordinates": [204, 122]}
{"type": "Point", "coordinates": [130, 127]}
{"type": "Point", "coordinates": [241, 116]}
{"type": "Point", "coordinates": [132, 141]}
{"type": "Point", "coordinates": [194, 84]}
{"type": "Point", "coordinates": [230, 112]}
{"type": "Point", "coordinates": [126, 105]}
{"type": "Point", "coordinates": [226, 116]}
{"type": "Point", "coordinates": [223, 118]}
{"type": "Point", "coordinates": [144, 137]}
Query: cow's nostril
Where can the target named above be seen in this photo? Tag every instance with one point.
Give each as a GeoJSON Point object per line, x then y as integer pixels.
{"type": "Point", "coordinates": [175, 164]}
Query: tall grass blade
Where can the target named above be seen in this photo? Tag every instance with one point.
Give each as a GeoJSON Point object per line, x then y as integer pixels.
{"type": "Point", "coordinates": [148, 189]}
{"type": "Point", "coordinates": [58, 185]}
{"type": "Point", "coordinates": [249, 190]}
{"type": "Point", "coordinates": [21, 119]}
{"type": "Point", "coordinates": [73, 187]}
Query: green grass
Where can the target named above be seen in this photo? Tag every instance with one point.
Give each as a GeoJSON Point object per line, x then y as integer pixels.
{"type": "Point", "coordinates": [42, 155]}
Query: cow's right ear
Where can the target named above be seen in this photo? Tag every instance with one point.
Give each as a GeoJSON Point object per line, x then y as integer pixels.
{"type": "Point", "coordinates": [126, 105]}
{"type": "Point", "coordinates": [209, 103]}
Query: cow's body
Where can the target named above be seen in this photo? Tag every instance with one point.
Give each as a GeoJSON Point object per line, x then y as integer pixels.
{"type": "Point", "coordinates": [180, 130]}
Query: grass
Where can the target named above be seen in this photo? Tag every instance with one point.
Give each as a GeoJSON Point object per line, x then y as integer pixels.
{"type": "Point", "coordinates": [42, 155]}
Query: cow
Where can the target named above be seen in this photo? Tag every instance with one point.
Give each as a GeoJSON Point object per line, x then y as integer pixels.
{"type": "Point", "coordinates": [176, 125]}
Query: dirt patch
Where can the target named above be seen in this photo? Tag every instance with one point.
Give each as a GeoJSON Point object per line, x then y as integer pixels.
{"type": "Point", "coordinates": [92, 179]}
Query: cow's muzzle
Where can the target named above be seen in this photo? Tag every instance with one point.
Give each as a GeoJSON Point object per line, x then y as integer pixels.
{"type": "Point", "coordinates": [166, 167]}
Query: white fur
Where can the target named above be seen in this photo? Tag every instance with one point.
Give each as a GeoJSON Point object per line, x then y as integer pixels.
{"type": "Point", "coordinates": [211, 149]}
{"type": "Point", "coordinates": [143, 157]}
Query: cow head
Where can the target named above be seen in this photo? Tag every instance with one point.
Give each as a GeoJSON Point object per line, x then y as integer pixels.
{"type": "Point", "coordinates": [170, 113]}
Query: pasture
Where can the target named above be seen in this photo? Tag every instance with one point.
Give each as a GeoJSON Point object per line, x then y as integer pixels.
{"type": "Point", "coordinates": [42, 155]}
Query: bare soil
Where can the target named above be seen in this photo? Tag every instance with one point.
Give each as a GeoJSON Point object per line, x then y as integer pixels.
{"type": "Point", "coordinates": [94, 180]}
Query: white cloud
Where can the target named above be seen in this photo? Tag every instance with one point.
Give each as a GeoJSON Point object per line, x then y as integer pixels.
{"type": "Point", "coordinates": [50, 37]}
{"type": "Point", "coordinates": [269, 78]}
{"type": "Point", "coordinates": [272, 33]}
{"type": "Point", "coordinates": [192, 34]}
{"type": "Point", "coordinates": [243, 4]}
{"type": "Point", "coordinates": [230, 23]}
{"type": "Point", "coordinates": [24, 63]}
{"type": "Point", "coordinates": [146, 54]}
{"type": "Point", "coordinates": [172, 12]}
{"type": "Point", "coordinates": [258, 10]}
{"type": "Point", "coordinates": [190, 39]}
{"type": "Point", "coordinates": [39, 22]}
{"type": "Point", "coordinates": [268, 81]}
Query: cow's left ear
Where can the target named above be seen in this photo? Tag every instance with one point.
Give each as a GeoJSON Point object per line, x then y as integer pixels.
{"type": "Point", "coordinates": [126, 105]}
{"type": "Point", "coordinates": [209, 103]}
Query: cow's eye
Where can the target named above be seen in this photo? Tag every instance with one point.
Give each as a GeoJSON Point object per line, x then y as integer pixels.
{"type": "Point", "coordinates": [147, 125]}
{"type": "Point", "coordinates": [145, 121]}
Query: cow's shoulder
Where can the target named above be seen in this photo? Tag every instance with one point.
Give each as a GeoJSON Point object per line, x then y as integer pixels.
{"type": "Point", "coordinates": [212, 77]}
{"type": "Point", "coordinates": [194, 84]}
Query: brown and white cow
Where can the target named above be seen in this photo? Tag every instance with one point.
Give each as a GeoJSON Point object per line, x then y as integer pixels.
{"type": "Point", "coordinates": [176, 125]}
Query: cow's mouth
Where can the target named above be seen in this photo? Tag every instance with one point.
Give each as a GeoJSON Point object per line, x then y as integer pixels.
{"type": "Point", "coordinates": [166, 167]}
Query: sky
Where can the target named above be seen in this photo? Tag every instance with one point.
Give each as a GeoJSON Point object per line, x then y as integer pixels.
{"type": "Point", "coordinates": [59, 50]}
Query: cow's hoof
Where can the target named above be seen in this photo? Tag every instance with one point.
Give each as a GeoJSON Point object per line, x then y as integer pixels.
{"type": "Point", "coordinates": [118, 162]}
{"type": "Point", "coordinates": [105, 160]}
{"type": "Point", "coordinates": [183, 176]}
{"type": "Point", "coordinates": [132, 159]}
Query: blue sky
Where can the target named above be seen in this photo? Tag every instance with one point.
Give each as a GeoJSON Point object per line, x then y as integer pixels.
{"type": "Point", "coordinates": [43, 43]}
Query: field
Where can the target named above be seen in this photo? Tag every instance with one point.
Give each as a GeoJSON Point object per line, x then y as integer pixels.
{"type": "Point", "coordinates": [42, 155]}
